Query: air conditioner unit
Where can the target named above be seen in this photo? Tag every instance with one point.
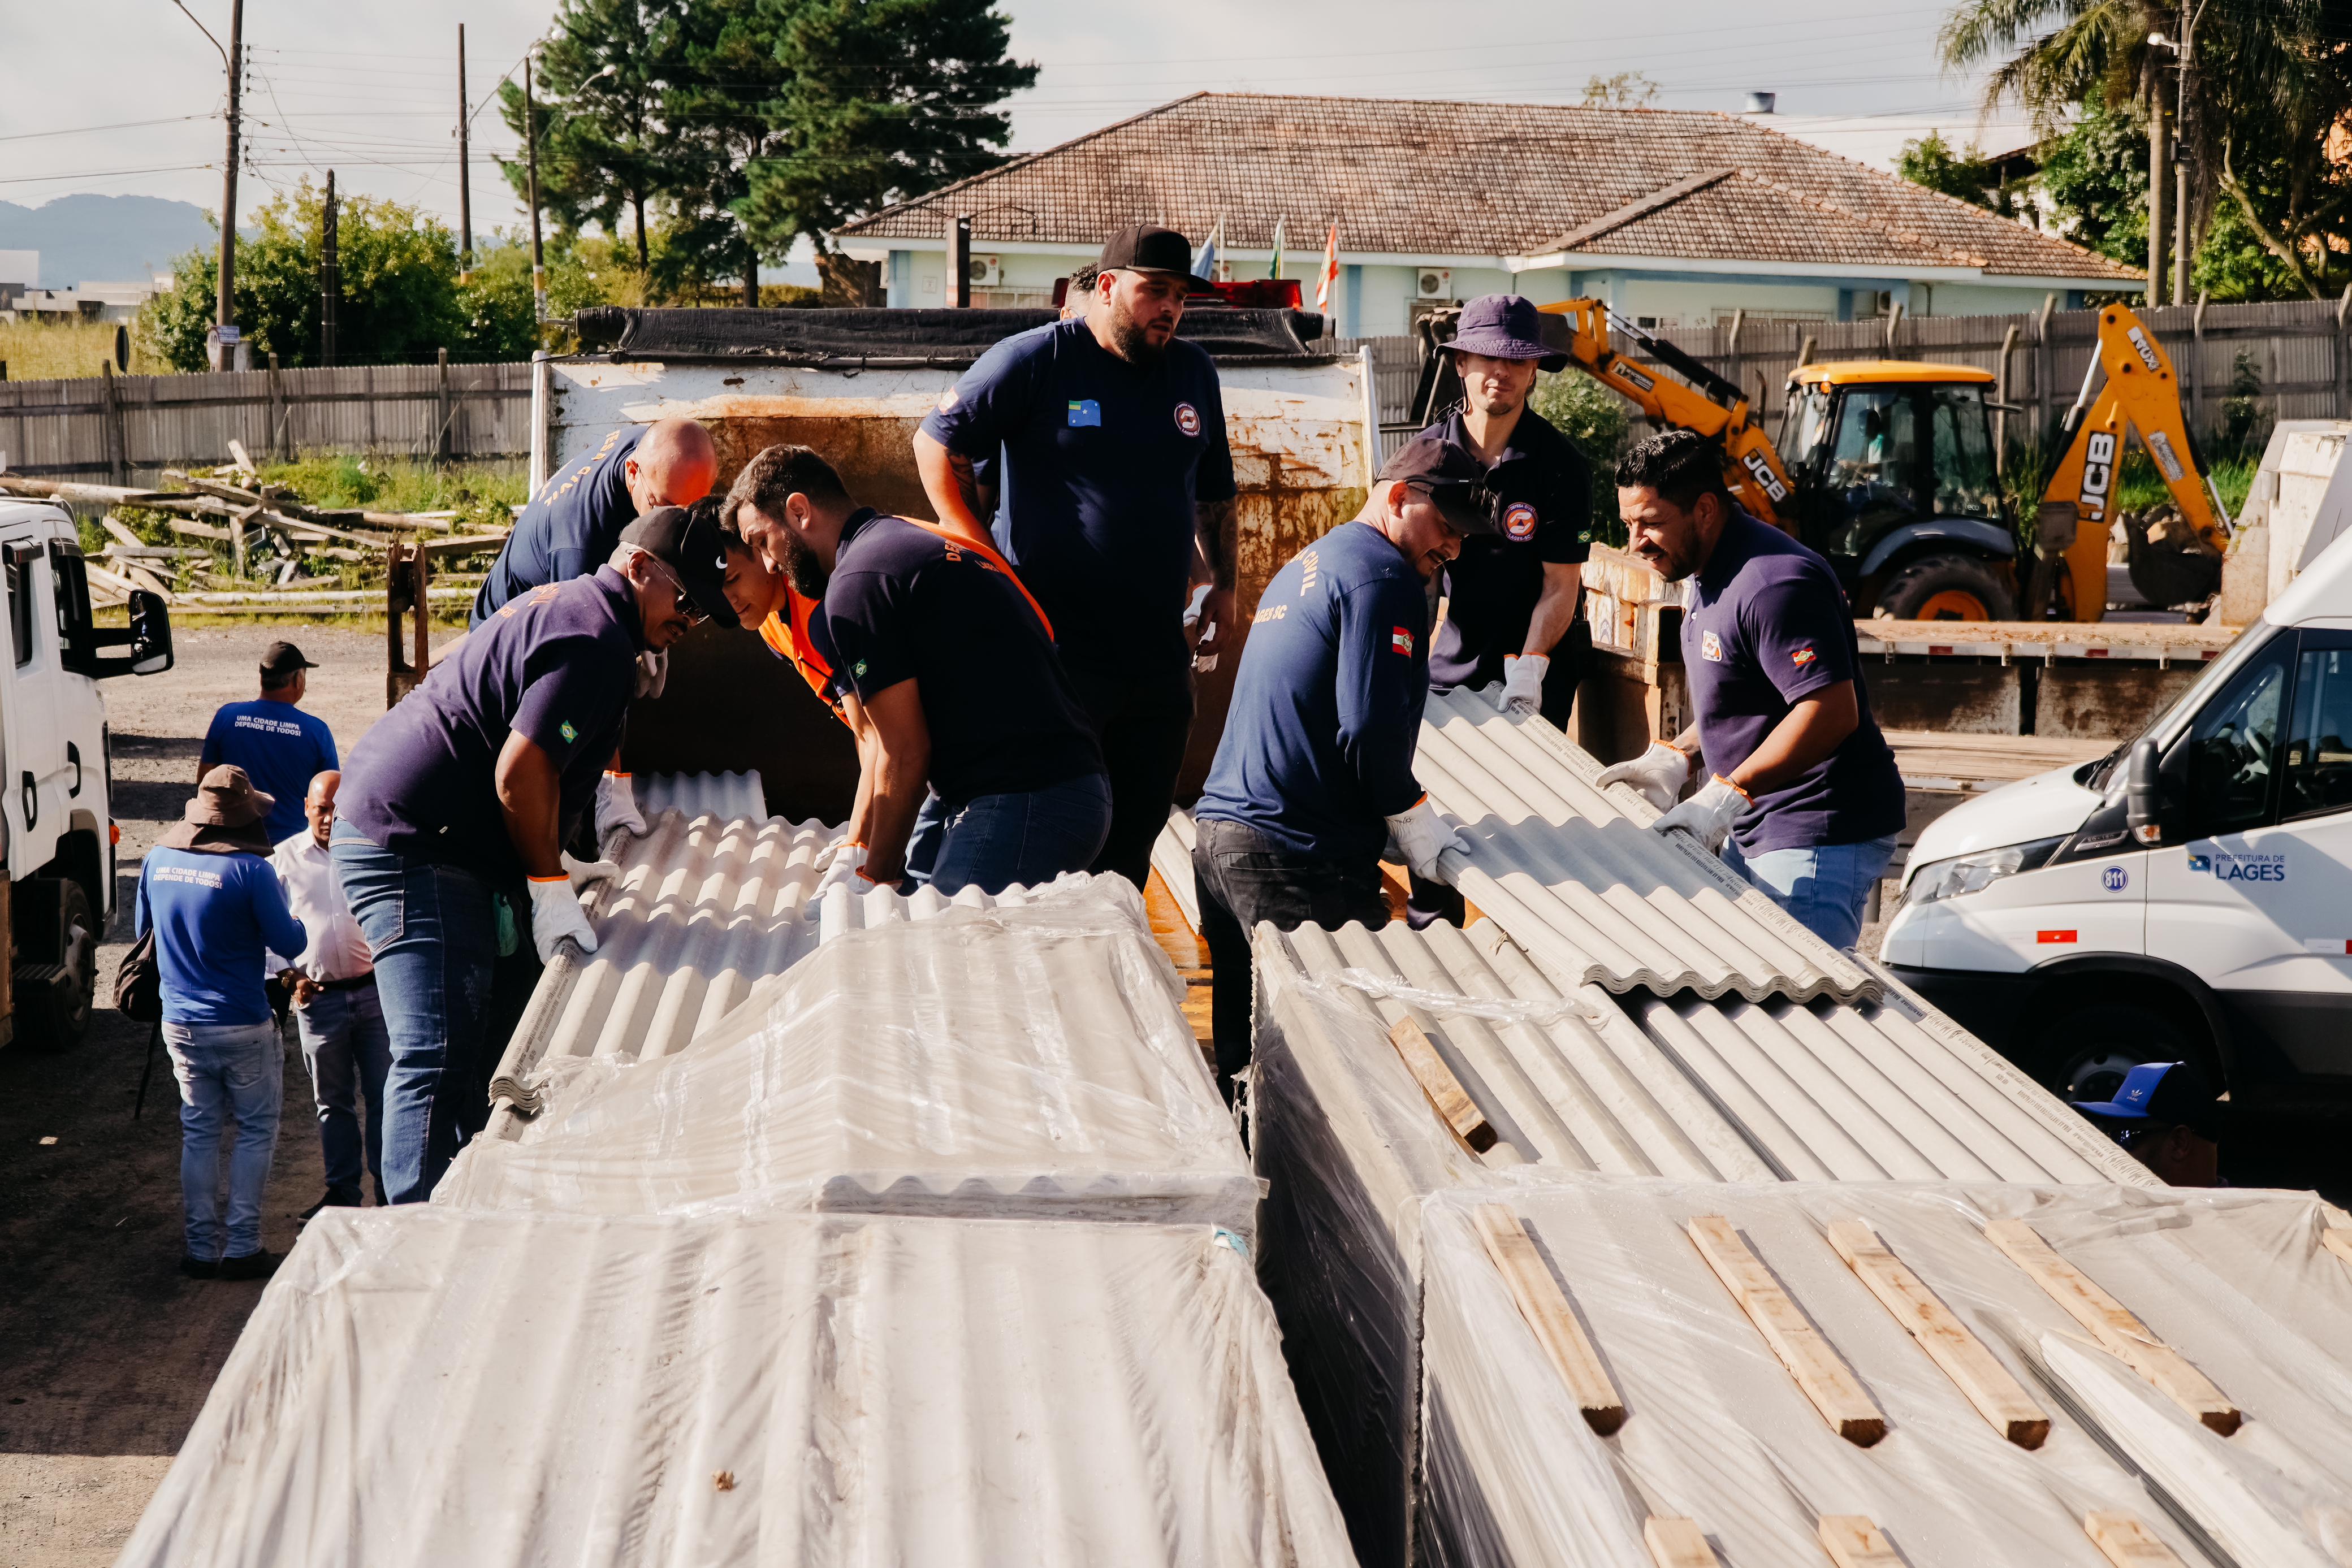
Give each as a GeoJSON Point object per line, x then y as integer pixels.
{"type": "Point", "coordinates": [983, 272]}
{"type": "Point", "coordinates": [1433, 283]}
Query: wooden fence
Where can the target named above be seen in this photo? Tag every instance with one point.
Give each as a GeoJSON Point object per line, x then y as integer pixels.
{"type": "Point", "coordinates": [118, 427]}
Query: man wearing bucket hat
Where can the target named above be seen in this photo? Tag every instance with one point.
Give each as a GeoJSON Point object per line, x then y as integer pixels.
{"type": "Point", "coordinates": [456, 806]}
{"type": "Point", "coordinates": [207, 893]}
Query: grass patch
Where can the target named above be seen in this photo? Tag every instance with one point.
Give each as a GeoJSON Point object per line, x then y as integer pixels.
{"type": "Point", "coordinates": [481, 493]}
{"type": "Point", "coordinates": [66, 351]}
{"type": "Point", "coordinates": [2143, 487]}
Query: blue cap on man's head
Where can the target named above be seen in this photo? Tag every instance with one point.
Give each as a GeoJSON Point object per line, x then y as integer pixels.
{"type": "Point", "coordinates": [2132, 1100]}
{"type": "Point", "coordinates": [2164, 1094]}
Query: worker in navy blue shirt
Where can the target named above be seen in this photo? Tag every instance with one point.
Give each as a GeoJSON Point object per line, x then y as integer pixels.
{"type": "Point", "coordinates": [1802, 796]}
{"type": "Point", "coordinates": [1110, 433]}
{"type": "Point", "coordinates": [951, 682]}
{"type": "Point", "coordinates": [1314, 774]}
{"type": "Point", "coordinates": [569, 529]}
{"type": "Point", "coordinates": [453, 809]}
{"type": "Point", "coordinates": [280, 748]}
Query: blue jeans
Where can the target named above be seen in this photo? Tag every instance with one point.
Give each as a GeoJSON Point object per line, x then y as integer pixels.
{"type": "Point", "coordinates": [1824, 887]}
{"type": "Point", "coordinates": [433, 932]}
{"type": "Point", "coordinates": [348, 1053]}
{"type": "Point", "coordinates": [923, 844]}
{"type": "Point", "coordinates": [996, 841]}
{"type": "Point", "coordinates": [226, 1073]}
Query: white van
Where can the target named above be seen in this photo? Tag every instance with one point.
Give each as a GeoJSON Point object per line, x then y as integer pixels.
{"type": "Point", "coordinates": [2188, 894]}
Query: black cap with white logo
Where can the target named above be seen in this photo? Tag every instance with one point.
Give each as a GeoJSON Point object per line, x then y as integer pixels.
{"type": "Point", "coordinates": [688, 544]}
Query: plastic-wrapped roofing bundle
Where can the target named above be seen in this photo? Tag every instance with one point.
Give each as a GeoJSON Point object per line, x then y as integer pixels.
{"type": "Point", "coordinates": [1028, 1058]}
{"type": "Point", "coordinates": [1574, 874]}
{"type": "Point", "coordinates": [422, 1386]}
{"type": "Point", "coordinates": [1958, 1375]}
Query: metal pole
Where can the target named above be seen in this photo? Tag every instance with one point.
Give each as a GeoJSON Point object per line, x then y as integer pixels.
{"type": "Point", "coordinates": [331, 282]}
{"type": "Point", "coordinates": [531, 174]}
{"type": "Point", "coordinates": [2180, 217]}
{"type": "Point", "coordinates": [225, 305]}
{"type": "Point", "coordinates": [2159, 166]}
{"type": "Point", "coordinates": [465, 165]}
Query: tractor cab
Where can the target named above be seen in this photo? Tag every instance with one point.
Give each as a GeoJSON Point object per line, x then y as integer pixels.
{"type": "Point", "coordinates": [1892, 464]}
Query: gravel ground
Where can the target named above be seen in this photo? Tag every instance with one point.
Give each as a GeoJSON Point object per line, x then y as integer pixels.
{"type": "Point", "coordinates": [106, 1353]}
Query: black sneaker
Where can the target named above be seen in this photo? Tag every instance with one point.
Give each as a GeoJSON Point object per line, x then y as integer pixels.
{"type": "Point", "coordinates": [252, 1266]}
{"type": "Point", "coordinates": [334, 1197]}
{"type": "Point", "coordinates": [200, 1268]}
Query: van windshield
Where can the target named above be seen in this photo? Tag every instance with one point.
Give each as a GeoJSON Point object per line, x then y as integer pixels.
{"type": "Point", "coordinates": [2177, 713]}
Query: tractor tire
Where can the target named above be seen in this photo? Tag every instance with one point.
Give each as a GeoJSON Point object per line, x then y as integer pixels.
{"type": "Point", "coordinates": [1945, 588]}
{"type": "Point", "coordinates": [52, 999]}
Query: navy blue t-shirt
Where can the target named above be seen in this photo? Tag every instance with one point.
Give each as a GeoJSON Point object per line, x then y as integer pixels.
{"type": "Point", "coordinates": [1543, 504]}
{"type": "Point", "coordinates": [568, 529]}
{"type": "Point", "coordinates": [1768, 627]}
{"type": "Point", "coordinates": [281, 750]}
{"type": "Point", "coordinates": [1319, 743]}
{"type": "Point", "coordinates": [558, 664]}
{"type": "Point", "coordinates": [1101, 463]}
{"type": "Point", "coordinates": [905, 604]}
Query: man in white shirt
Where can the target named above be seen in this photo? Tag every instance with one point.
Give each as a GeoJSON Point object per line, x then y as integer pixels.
{"type": "Point", "coordinates": [341, 1023]}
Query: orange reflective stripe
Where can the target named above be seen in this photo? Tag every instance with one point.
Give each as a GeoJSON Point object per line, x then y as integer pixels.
{"type": "Point", "coordinates": [988, 553]}
{"type": "Point", "coordinates": [789, 640]}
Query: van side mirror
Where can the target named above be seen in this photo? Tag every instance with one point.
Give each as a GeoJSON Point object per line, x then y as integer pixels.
{"type": "Point", "coordinates": [150, 634]}
{"type": "Point", "coordinates": [2144, 793]}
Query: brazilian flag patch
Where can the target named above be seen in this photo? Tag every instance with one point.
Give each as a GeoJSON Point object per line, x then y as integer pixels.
{"type": "Point", "coordinates": [566, 731]}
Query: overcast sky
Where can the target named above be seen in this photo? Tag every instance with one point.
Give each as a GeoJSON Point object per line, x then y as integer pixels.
{"type": "Point", "coordinates": [125, 96]}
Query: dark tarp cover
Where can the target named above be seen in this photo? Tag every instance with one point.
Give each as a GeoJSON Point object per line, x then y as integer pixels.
{"type": "Point", "coordinates": [952, 337]}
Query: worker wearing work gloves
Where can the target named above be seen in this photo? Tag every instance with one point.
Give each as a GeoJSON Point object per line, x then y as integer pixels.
{"type": "Point", "coordinates": [1314, 774]}
{"type": "Point", "coordinates": [950, 669]}
{"type": "Point", "coordinates": [454, 808]}
{"type": "Point", "coordinates": [1511, 597]}
{"type": "Point", "coordinates": [1801, 794]}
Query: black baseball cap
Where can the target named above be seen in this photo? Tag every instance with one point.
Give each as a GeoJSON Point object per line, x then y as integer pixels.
{"type": "Point", "coordinates": [284, 659]}
{"type": "Point", "coordinates": [1451, 477]}
{"type": "Point", "coordinates": [1142, 247]}
{"type": "Point", "coordinates": [689, 543]}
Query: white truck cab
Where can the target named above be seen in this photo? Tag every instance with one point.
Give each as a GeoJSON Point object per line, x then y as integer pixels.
{"type": "Point", "coordinates": [2188, 895]}
{"type": "Point", "coordinates": [57, 834]}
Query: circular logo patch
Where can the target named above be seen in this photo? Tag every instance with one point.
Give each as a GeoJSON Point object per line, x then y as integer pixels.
{"type": "Point", "coordinates": [2114, 879]}
{"type": "Point", "coordinates": [1519, 522]}
{"type": "Point", "coordinates": [1188, 419]}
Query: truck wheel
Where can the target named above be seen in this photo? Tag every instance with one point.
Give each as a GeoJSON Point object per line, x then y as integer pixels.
{"type": "Point", "coordinates": [1945, 588]}
{"type": "Point", "coordinates": [2084, 1052]}
{"type": "Point", "coordinates": [53, 1001]}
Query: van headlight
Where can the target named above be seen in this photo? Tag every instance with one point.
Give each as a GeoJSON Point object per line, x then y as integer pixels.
{"type": "Point", "coordinates": [1975, 872]}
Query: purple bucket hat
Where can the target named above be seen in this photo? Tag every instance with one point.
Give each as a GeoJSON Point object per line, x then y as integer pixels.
{"type": "Point", "coordinates": [1505, 327]}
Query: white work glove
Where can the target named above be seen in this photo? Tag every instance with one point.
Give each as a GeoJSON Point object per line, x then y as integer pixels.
{"type": "Point", "coordinates": [555, 913]}
{"type": "Point", "coordinates": [616, 806]}
{"type": "Point", "coordinates": [1422, 834]}
{"type": "Point", "coordinates": [1523, 679]}
{"type": "Point", "coordinates": [1657, 775]}
{"type": "Point", "coordinates": [585, 874]}
{"type": "Point", "coordinates": [848, 868]}
{"type": "Point", "coordinates": [653, 672]}
{"type": "Point", "coordinates": [1708, 816]}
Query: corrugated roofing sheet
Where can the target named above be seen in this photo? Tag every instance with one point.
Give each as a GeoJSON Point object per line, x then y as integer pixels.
{"type": "Point", "coordinates": [725, 796]}
{"type": "Point", "coordinates": [1717, 1431]}
{"type": "Point", "coordinates": [1028, 1058]}
{"type": "Point", "coordinates": [422, 1387]}
{"type": "Point", "coordinates": [1575, 875]}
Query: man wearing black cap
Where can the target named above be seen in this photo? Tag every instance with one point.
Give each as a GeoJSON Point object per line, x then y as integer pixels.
{"type": "Point", "coordinates": [455, 808]}
{"type": "Point", "coordinates": [1111, 433]}
{"type": "Point", "coordinates": [280, 748]}
{"type": "Point", "coordinates": [1314, 774]}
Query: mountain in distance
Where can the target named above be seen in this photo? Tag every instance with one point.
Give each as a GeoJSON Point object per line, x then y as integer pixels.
{"type": "Point", "coordinates": [104, 239]}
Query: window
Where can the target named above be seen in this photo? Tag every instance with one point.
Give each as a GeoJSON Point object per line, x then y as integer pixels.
{"type": "Point", "coordinates": [1966, 484]}
{"type": "Point", "coordinates": [2232, 747]}
{"type": "Point", "coordinates": [20, 600]}
{"type": "Point", "coordinates": [1876, 462]}
{"type": "Point", "coordinates": [2318, 775]}
{"type": "Point", "coordinates": [1804, 426]}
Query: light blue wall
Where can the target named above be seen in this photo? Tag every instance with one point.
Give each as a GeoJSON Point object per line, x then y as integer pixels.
{"type": "Point", "coordinates": [1351, 302]}
{"type": "Point", "coordinates": [900, 289]}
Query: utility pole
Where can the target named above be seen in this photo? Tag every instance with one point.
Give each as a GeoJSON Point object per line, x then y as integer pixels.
{"type": "Point", "coordinates": [465, 166]}
{"type": "Point", "coordinates": [531, 168]}
{"type": "Point", "coordinates": [2159, 175]}
{"type": "Point", "coordinates": [330, 278]}
{"type": "Point", "coordinates": [2181, 223]}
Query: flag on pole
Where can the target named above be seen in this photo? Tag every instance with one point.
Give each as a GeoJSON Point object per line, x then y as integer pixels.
{"type": "Point", "coordinates": [1331, 272]}
{"type": "Point", "coordinates": [1205, 263]}
{"type": "Point", "coordinates": [1276, 271]}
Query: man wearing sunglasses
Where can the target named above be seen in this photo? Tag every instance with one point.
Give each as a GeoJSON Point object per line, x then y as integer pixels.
{"type": "Point", "coordinates": [1314, 774]}
{"type": "Point", "coordinates": [455, 808]}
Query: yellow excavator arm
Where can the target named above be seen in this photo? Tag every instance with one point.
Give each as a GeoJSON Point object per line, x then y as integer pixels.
{"type": "Point", "coordinates": [2141, 396]}
{"type": "Point", "coordinates": [1710, 405]}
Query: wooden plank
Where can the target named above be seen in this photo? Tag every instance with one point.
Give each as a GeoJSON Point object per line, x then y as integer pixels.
{"type": "Point", "coordinates": [1679, 1544]}
{"type": "Point", "coordinates": [2126, 1542]}
{"type": "Point", "coordinates": [1853, 1542]}
{"type": "Point", "coordinates": [121, 532]}
{"type": "Point", "coordinates": [2119, 1333]}
{"type": "Point", "coordinates": [1542, 1303]}
{"type": "Point", "coordinates": [1833, 1389]}
{"type": "Point", "coordinates": [1445, 1092]}
{"type": "Point", "coordinates": [1974, 1370]}
{"type": "Point", "coordinates": [2338, 1240]}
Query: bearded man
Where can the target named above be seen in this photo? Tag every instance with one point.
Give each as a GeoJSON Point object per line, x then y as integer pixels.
{"type": "Point", "coordinates": [1111, 435]}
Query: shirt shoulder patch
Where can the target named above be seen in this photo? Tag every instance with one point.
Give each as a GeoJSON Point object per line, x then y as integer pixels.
{"type": "Point", "coordinates": [1400, 640]}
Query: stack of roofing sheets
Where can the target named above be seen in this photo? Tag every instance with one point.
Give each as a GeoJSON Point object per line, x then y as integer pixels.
{"type": "Point", "coordinates": [427, 1387]}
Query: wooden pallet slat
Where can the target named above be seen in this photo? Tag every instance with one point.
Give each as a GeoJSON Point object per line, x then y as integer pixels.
{"type": "Point", "coordinates": [2114, 1327]}
{"type": "Point", "coordinates": [1979, 1375]}
{"type": "Point", "coordinates": [1445, 1092]}
{"type": "Point", "coordinates": [1677, 1543]}
{"type": "Point", "coordinates": [1853, 1542]}
{"type": "Point", "coordinates": [2126, 1542]}
{"type": "Point", "coordinates": [1545, 1306]}
{"type": "Point", "coordinates": [1825, 1379]}
{"type": "Point", "coordinates": [2338, 1240]}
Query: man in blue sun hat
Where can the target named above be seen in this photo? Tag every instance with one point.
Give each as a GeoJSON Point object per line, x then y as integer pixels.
{"type": "Point", "coordinates": [2166, 1116]}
